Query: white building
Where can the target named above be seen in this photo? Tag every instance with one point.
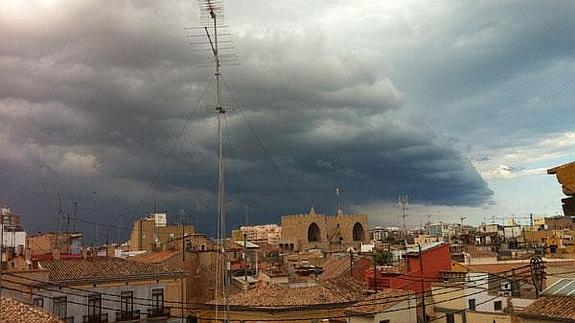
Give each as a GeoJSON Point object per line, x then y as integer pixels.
{"type": "Point", "coordinates": [270, 233]}
{"type": "Point", "coordinates": [102, 289]}
{"type": "Point", "coordinates": [13, 236]}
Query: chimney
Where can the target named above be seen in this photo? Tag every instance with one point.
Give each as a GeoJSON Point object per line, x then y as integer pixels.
{"type": "Point", "coordinates": [84, 253]}
{"type": "Point", "coordinates": [56, 254]}
{"type": "Point", "coordinates": [110, 250]}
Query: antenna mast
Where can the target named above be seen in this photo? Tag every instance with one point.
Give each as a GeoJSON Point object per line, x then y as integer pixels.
{"type": "Point", "coordinates": [213, 11]}
{"type": "Point", "coordinates": [403, 205]}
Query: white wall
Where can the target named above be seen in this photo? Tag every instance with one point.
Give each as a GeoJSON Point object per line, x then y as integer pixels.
{"type": "Point", "coordinates": [14, 239]}
{"type": "Point", "coordinates": [77, 304]}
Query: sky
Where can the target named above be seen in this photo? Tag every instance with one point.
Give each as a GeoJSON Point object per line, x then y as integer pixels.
{"type": "Point", "coordinates": [461, 105]}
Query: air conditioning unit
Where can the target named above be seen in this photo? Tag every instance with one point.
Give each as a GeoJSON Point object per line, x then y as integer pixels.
{"type": "Point", "coordinates": [504, 293]}
{"type": "Point", "coordinates": [506, 286]}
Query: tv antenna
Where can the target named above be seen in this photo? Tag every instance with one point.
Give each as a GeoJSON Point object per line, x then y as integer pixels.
{"type": "Point", "coordinates": [404, 206]}
{"type": "Point", "coordinates": [209, 38]}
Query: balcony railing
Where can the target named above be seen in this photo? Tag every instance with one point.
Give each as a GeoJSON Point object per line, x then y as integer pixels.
{"type": "Point", "coordinates": [158, 312]}
{"type": "Point", "coordinates": [127, 315]}
{"type": "Point", "coordinates": [97, 318]}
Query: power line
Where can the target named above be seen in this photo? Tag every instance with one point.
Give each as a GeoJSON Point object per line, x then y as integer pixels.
{"type": "Point", "coordinates": [168, 154]}
{"type": "Point", "coordinates": [387, 299]}
{"type": "Point", "coordinates": [262, 146]}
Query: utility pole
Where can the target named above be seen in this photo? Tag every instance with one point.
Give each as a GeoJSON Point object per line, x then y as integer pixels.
{"type": "Point", "coordinates": [245, 258]}
{"type": "Point", "coordinates": [461, 235]}
{"type": "Point", "coordinates": [76, 214]}
{"type": "Point", "coordinates": [350, 263]}
{"type": "Point", "coordinates": [1, 251]}
{"type": "Point", "coordinates": [403, 204]}
{"type": "Point", "coordinates": [183, 244]}
{"type": "Point", "coordinates": [424, 317]}
{"type": "Point", "coordinates": [183, 267]}
{"type": "Point", "coordinates": [374, 274]}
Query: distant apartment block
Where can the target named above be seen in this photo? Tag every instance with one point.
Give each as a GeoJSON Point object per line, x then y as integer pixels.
{"type": "Point", "coordinates": [153, 233]}
{"type": "Point", "coordinates": [269, 233]}
{"type": "Point", "coordinates": [13, 236]}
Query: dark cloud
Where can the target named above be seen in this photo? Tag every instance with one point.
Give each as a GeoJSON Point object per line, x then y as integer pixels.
{"type": "Point", "coordinates": [97, 97]}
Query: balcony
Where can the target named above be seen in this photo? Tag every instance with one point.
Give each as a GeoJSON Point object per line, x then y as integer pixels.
{"type": "Point", "coordinates": [126, 316]}
{"type": "Point", "coordinates": [97, 318]}
{"type": "Point", "coordinates": [158, 313]}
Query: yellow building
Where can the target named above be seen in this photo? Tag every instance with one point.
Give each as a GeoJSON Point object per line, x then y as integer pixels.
{"type": "Point", "coordinates": [152, 233]}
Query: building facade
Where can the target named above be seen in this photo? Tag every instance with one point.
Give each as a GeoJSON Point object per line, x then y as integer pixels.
{"type": "Point", "coordinates": [320, 231]}
{"type": "Point", "coordinates": [13, 236]}
{"type": "Point", "coordinates": [101, 289]}
{"type": "Point", "coordinates": [153, 233]}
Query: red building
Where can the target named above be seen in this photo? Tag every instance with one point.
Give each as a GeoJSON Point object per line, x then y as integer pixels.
{"type": "Point", "coordinates": [420, 270]}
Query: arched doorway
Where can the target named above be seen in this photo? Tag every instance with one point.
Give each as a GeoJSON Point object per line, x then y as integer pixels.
{"type": "Point", "coordinates": [358, 234]}
{"type": "Point", "coordinates": [313, 233]}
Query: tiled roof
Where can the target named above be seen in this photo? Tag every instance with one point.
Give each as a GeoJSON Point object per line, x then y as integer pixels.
{"type": "Point", "coordinates": [104, 269]}
{"type": "Point", "coordinates": [156, 257]}
{"type": "Point", "coordinates": [556, 308]}
{"type": "Point", "coordinates": [379, 302]}
{"type": "Point", "coordinates": [14, 311]}
{"type": "Point", "coordinates": [277, 297]}
{"type": "Point", "coordinates": [337, 267]}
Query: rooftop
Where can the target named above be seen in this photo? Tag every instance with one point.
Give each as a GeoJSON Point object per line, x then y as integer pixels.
{"type": "Point", "coordinates": [336, 267]}
{"type": "Point", "coordinates": [156, 257]}
{"type": "Point", "coordinates": [564, 287]}
{"type": "Point", "coordinates": [14, 311]}
{"type": "Point", "coordinates": [555, 308]}
{"type": "Point", "coordinates": [104, 269]}
{"type": "Point", "coordinates": [378, 302]}
{"type": "Point", "coordinates": [283, 297]}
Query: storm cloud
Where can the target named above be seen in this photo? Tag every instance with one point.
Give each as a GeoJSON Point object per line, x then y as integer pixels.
{"type": "Point", "coordinates": [94, 97]}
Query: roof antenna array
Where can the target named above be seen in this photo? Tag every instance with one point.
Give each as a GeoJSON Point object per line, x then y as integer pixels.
{"type": "Point", "coordinates": [210, 35]}
{"type": "Point", "coordinates": [211, 38]}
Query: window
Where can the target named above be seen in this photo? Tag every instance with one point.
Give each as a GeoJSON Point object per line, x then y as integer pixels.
{"type": "Point", "coordinates": [60, 307]}
{"type": "Point", "coordinates": [127, 302]}
{"type": "Point", "coordinates": [95, 305]}
{"type": "Point", "coordinates": [158, 299]}
{"type": "Point", "coordinates": [38, 301]}
{"type": "Point", "coordinates": [450, 318]}
{"type": "Point", "coordinates": [384, 321]}
{"type": "Point", "coordinates": [472, 304]}
{"type": "Point", "coordinates": [497, 305]}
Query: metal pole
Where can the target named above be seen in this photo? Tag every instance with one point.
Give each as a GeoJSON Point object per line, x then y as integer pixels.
{"type": "Point", "coordinates": [1, 255]}
{"type": "Point", "coordinates": [374, 274]}
{"type": "Point", "coordinates": [350, 263]}
{"type": "Point", "coordinates": [183, 267]}
{"type": "Point", "coordinates": [422, 284]}
{"type": "Point", "coordinates": [245, 258]}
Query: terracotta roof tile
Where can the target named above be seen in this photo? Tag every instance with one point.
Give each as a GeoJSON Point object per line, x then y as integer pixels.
{"type": "Point", "coordinates": [551, 307]}
{"type": "Point", "coordinates": [103, 269]}
{"type": "Point", "coordinates": [277, 296]}
{"type": "Point", "coordinates": [336, 267]}
{"type": "Point", "coordinates": [379, 302]}
{"type": "Point", "coordinates": [156, 257]}
{"type": "Point", "coordinates": [13, 311]}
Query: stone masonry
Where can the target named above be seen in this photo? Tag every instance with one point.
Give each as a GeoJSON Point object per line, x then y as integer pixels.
{"type": "Point", "coordinates": [319, 231]}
